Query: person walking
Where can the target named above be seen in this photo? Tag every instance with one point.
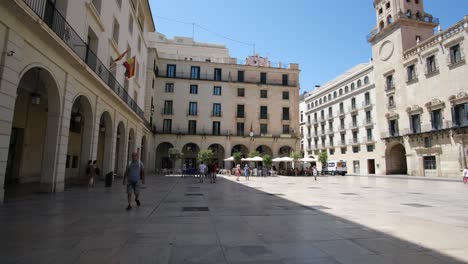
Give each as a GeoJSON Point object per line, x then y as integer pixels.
{"type": "Point", "coordinates": [214, 170]}
{"type": "Point", "coordinates": [92, 174]}
{"type": "Point", "coordinates": [133, 174]}
{"type": "Point", "coordinates": [465, 174]}
{"type": "Point", "coordinates": [314, 172]}
{"type": "Point", "coordinates": [202, 170]}
{"type": "Point", "coordinates": [246, 171]}
{"type": "Point", "coordinates": [88, 170]}
{"type": "Point", "coordinates": [237, 171]}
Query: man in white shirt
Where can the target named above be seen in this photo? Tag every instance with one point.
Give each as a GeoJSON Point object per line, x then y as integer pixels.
{"type": "Point", "coordinates": [465, 175]}
{"type": "Point", "coordinates": [202, 171]}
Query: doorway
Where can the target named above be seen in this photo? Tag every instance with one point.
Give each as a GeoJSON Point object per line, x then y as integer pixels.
{"type": "Point", "coordinates": [371, 166]}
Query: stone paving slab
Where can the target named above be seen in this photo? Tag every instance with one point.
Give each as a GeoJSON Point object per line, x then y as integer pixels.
{"type": "Point", "coordinates": [335, 220]}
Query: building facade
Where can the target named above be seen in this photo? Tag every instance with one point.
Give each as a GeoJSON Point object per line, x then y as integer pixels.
{"type": "Point", "coordinates": [204, 99]}
{"type": "Point", "coordinates": [63, 99]}
{"type": "Point", "coordinates": [421, 80]}
{"type": "Point", "coordinates": [339, 118]}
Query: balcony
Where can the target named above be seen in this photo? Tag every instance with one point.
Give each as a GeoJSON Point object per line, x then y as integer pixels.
{"type": "Point", "coordinates": [391, 106]}
{"type": "Point", "coordinates": [330, 145]}
{"type": "Point", "coordinates": [368, 140]}
{"type": "Point", "coordinates": [315, 134]}
{"type": "Point", "coordinates": [167, 111]}
{"type": "Point", "coordinates": [354, 141]}
{"type": "Point", "coordinates": [368, 122]}
{"type": "Point", "coordinates": [309, 123]}
{"type": "Point", "coordinates": [353, 109]}
{"type": "Point", "coordinates": [431, 70]}
{"type": "Point", "coordinates": [192, 113]}
{"type": "Point", "coordinates": [59, 25]}
{"type": "Point", "coordinates": [240, 114]}
{"type": "Point", "coordinates": [330, 117]}
{"type": "Point", "coordinates": [389, 87]}
{"type": "Point", "coordinates": [309, 135]}
{"type": "Point", "coordinates": [322, 119]}
{"type": "Point", "coordinates": [214, 78]}
{"type": "Point", "coordinates": [216, 114]}
{"type": "Point", "coordinates": [342, 143]}
{"type": "Point", "coordinates": [342, 112]}
{"type": "Point", "coordinates": [315, 122]}
{"type": "Point", "coordinates": [391, 134]}
{"type": "Point", "coordinates": [353, 125]}
{"type": "Point", "coordinates": [366, 104]}
{"type": "Point", "coordinates": [455, 61]}
{"type": "Point", "coordinates": [330, 132]}
{"type": "Point", "coordinates": [429, 128]}
{"type": "Point", "coordinates": [264, 117]}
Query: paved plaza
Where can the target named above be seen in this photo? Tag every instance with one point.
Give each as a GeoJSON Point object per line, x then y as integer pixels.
{"type": "Point", "coordinates": [266, 220]}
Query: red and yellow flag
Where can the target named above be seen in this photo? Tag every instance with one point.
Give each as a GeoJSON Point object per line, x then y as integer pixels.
{"type": "Point", "coordinates": [130, 67]}
{"type": "Point", "coordinates": [121, 56]}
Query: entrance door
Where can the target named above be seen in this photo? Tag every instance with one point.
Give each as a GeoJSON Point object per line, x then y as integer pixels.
{"type": "Point", "coordinates": [371, 166]}
{"type": "Point", "coordinates": [356, 167]}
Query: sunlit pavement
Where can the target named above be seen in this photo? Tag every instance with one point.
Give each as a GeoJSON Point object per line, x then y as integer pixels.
{"type": "Point", "coordinates": [265, 220]}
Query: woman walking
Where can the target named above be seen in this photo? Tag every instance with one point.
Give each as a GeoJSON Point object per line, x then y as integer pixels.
{"type": "Point", "coordinates": [246, 172]}
{"type": "Point", "coordinates": [237, 171]}
{"type": "Point", "coordinates": [314, 172]}
{"type": "Point", "coordinates": [465, 175]}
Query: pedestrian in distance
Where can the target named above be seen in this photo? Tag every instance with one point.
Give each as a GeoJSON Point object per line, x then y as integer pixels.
{"type": "Point", "coordinates": [314, 172]}
{"type": "Point", "coordinates": [465, 174]}
{"type": "Point", "coordinates": [246, 171]}
{"type": "Point", "coordinates": [238, 172]}
{"type": "Point", "coordinates": [214, 170]}
{"type": "Point", "coordinates": [92, 174]}
{"type": "Point", "coordinates": [202, 170]}
{"type": "Point", "coordinates": [134, 173]}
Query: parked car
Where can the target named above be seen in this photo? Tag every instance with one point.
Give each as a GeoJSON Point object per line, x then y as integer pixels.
{"type": "Point", "coordinates": [337, 167]}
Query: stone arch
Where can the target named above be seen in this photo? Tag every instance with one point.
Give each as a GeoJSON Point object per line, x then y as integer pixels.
{"type": "Point", "coordinates": [219, 154]}
{"type": "Point", "coordinates": [395, 159]}
{"type": "Point", "coordinates": [80, 138]}
{"type": "Point", "coordinates": [285, 151]}
{"type": "Point", "coordinates": [34, 131]}
{"type": "Point", "coordinates": [104, 146]}
{"type": "Point", "coordinates": [366, 80]}
{"type": "Point", "coordinates": [263, 149]}
{"type": "Point", "coordinates": [162, 156]}
{"type": "Point", "coordinates": [120, 157]}
{"type": "Point", "coordinates": [190, 151]}
{"type": "Point", "coordinates": [240, 148]}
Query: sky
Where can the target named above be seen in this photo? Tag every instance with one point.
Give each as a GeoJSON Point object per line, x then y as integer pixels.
{"type": "Point", "coordinates": [325, 37]}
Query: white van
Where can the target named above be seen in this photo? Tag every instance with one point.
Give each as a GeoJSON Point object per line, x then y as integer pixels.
{"type": "Point", "coordinates": [337, 167]}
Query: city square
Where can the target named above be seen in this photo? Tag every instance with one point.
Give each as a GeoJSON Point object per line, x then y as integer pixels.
{"type": "Point", "coordinates": [264, 220]}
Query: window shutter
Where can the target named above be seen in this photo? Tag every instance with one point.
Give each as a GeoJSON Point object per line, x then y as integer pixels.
{"type": "Point", "coordinates": [396, 128]}
{"type": "Point", "coordinates": [454, 117]}
{"type": "Point", "coordinates": [465, 115]}
{"type": "Point", "coordinates": [432, 120]}
{"type": "Point", "coordinates": [411, 124]}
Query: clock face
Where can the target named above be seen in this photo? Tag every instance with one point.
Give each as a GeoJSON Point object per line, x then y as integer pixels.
{"type": "Point", "coordinates": [386, 50]}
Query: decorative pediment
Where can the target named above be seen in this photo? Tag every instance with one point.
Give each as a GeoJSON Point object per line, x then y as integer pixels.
{"type": "Point", "coordinates": [435, 104]}
{"type": "Point", "coordinates": [459, 98]}
{"type": "Point", "coordinates": [391, 115]}
{"type": "Point", "coordinates": [415, 109]}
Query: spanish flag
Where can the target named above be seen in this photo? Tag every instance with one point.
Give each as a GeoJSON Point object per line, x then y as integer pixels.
{"type": "Point", "coordinates": [130, 67]}
{"type": "Point", "coordinates": [121, 56]}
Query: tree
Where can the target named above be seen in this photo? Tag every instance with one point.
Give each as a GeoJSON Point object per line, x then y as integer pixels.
{"type": "Point", "coordinates": [253, 154]}
{"type": "Point", "coordinates": [296, 156]}
{"type": "Point", "coordinates": [267, 160]}
{"type": "Point", "coordinates": [237, 157]}
{"type": "Point", "coordinates": [205, 156]}
{"type": "Point", "coordinates": [323, 158]}
{"type": "Point", "coordinates": [175, 155]}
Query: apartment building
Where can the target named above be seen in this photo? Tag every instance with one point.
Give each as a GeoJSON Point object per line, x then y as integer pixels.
{"type": "Point", "coordinates": [204, 98]}
{"type": "Point", "coordinates": [339, 118]}
{"type": "Point", "coordinates": [63, 99]}
{"type": "Point", "coordinates": [421, 80]}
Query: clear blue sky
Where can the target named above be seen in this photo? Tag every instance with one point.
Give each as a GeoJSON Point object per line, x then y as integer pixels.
{"type": "Point", "coordinates": [325, 37]}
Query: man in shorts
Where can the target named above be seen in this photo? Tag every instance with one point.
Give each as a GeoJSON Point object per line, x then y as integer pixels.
{"type": "Point", "coordinates": [133, 174]}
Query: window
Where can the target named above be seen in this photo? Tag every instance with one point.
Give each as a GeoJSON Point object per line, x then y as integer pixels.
{"type": "Point", "coordinates": [171, 70]}
{"type": "Point", "coordinates": [354, 120]}
{"type": "Point", "coordinates": [217, 74]}
{"type": "Point", "coordinates": [240, 111]}
{"type": "Point", "coordinates": [302, 116]}
{"type": "Point", "coordinates": [346, 89]}
{"type": "Point", "coordinates": [263, 93]}
{"type": "Point", "coordinates": [409, 13]}
{"type": "Point", "coordinates": [168, 107]}
{"type": "Point", "coordinates": [192, 127]}
{"type": "Point", "coordinates": [169, 88]}
{"type": "Point", "coordinates": [366, 80]}
{"type": "Point", "coordinates": [411, 72]}
{"type": "Point", "coordinates": [359, 83]}
{"type": "Point", "coordinates": [167, 126]}
{"type": "Point", "coordinates": [428, 142]}
{"type": "Point", "coordinates": [332, 151]}
{"type": "Point", "coordinates": [370, 137]}
{"type": "Point", "coordinates": [285, 129]}
{"type": "Point", "coordinates": [285, 79]}
{"type": "Point", "coordinates": [241, 92]}
{"type": "Point", "coordinates": [370, 148]}
{"type": "Point", "coordinates": [263, 112]}
{"type": "Point", "coordinates": [415, 124]}
{"type": "Point", "coordinates": [343, 150]}
{"type": "Point", "coordinates": [367, 100]}
{"type": "Point", "coordinates": [391, 102]}
{"type": "Point", "coordinates": [368, 117]}
{"type": "Point", "coordinates": [240, 129]}
{"type": "Point", "coordinates": [387, 5]}
{"type": "Point", "coordinates": [393, 128]}
{"type": "Point", "coordinates": [340, 92]}
{"type": "Point", "coordinates": [195, 72]}
{"type": "Point", "coordinates": [285, 113]}
{"type": "Point", "coordinates": [389, 20]}
{"type": "Point", "coordinates": [263, 77]}
{"type": "Point", "coordinates": [216, 110]}
{"type": "Point", "coordinates": [216, 128]}
{"type": "Point", "coordinates": [381, 25]}
{"type": "Point", "coordinates": [240, 76]}
{"type": "Point", "coordinates": [436, 119]}
{"type": "Point", "coordinates": [334, 95]}
{"type": "Point", "coordinates": [341, 108]}
{"type": "Point", "coordinates": [130, 23]}
{"type": "Point", "coordinates": [193, 89]}
{"type": "Point", "coordinates": [285, 95]}
{"type": "Point", "coordinates": [455, 54]}
{"type": "Point", "coordinates": [429, 162]}
{"type": "Point", "coordinates": [431, 66]}
{"type": "Point", "coordinates": [330, 112]}
{"type": "Point", "coordinates": [193, 108]}
{"type": "Point", "coordinates": [116, 31]}
{"type": "Point", "coordinates": [353, 87]}
{"type": "Point", "coordinates": [380, 11]}
{"type": "Point", "coordinates": [342, 124]}
{"type": "Point", "coordinates": [460, 115]}
{"type": "Point", "coordinates": [217, 90]}
{"type": "Point", "coordinates": [353, 103]}
{"type": "Point", "coordinates": [389, 82]}
{"type": "Point", "coordinates": [263, 129]}
{"type": "Point", "coordinates": [356, 149]}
